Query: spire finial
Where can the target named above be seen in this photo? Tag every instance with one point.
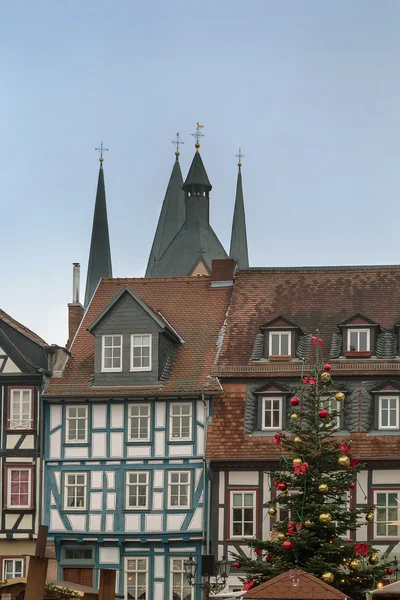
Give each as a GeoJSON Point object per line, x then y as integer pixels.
{"type": "Point", "coordinates": [177, 143]}
{"type": "Point", "coordinates": [239, 156]}
{"type": "Point", "coordinates": [101, 149]}
{"type": "Point", "coordinates": [197, 135]}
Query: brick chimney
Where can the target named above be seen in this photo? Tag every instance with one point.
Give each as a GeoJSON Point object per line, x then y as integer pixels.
{"type": "Point", "coordinates": [222, 272]}
{"type": "Point", "coordinates": [75, 308]}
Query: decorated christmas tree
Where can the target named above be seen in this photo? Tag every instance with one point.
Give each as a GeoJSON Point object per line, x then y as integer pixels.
{"type": "Point", "coordinates": [312, 525]}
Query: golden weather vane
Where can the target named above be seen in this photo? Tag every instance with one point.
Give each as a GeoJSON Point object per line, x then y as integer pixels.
{"type": "Point", "coordinates": [101, 149]}
{"type": "Point", "coordinates": [177, 143]}
{"type": "Point", "coordinates": [197, 135]}
{"type": "Point", "coordinates": [239, 156]}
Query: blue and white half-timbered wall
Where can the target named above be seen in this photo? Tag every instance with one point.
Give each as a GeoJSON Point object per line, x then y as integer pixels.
{"type": "Point", "coordinates": [125, 489]}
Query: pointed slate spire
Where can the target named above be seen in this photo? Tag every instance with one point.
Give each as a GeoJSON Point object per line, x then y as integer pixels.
{"type": "Point", "coordinates": [238, 250]}
{"type": "Point", "coordinates": [197, 174]}
{"type": "Point", "coordinates": [172, 216]}
{"type": "Point", "coordinates": [100, 254]}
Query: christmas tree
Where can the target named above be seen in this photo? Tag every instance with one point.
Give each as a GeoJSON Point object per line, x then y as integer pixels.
{"type": "Point", "coordinates": [312, 524]}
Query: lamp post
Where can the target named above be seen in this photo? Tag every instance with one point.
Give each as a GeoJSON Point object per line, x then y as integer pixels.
{"type": "Point", "coordinates": [219, 574]}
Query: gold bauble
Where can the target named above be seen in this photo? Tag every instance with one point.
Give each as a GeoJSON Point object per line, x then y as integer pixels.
{"type": "Point", "coordinates": [355, 565]}
{"type": "Point", "coordinates": [339, 397]}
{"type": "Point", "coordinates": [325, 377]}
{"type": "Point", "coordinates": [272, 511]}
{"type": "Point", "coordinates": [328, 577]}
{"type": "Point", "coordinates": [281, 536]}
{"type": "Point", "coordinates": [297, 461]}
{"type": "Point", "coordinates": [323, 487]}
{"type": "Point", "coordinates": [325, 518]}
{"type": "Point", "coordinates": [294, 416]}
{"type": "Point", "coordinates": [284, 493]}
{"type": "Point", "coordinates": [373, 559]}
{"type": "Point", "coordinates": [308, 523]}
{"type": "Point", "coordinates": [344, 461]}
{"type": "Point", "coordinates": [369, 517]}
{"type": "Point", "coordinates": [297, 440]}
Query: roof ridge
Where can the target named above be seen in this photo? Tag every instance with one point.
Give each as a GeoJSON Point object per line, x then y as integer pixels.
{"type": "Point", "coordinates": [9, 320]}
{"type": "Point", "coordinates": [170, 279]}
{"type": "Point", "coordinates": [322, 268]}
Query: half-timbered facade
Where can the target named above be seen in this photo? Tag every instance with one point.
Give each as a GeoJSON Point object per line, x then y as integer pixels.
{"type": "Point", "coordinates": [126, 482]}
{"type": "Point", "coordinates": [267, 345]}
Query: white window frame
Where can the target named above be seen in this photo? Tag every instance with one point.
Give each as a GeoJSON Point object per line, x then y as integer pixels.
{"type": "Point", "coordinates": [188, 483]}
{"type": "Point", "coordinates": [139, 417]}
{"type": "Point", "coordinates": [20, 425]}
{"type": "Point", "coordinates": [14, 561]}
{"type": "Point", "coordinates": [137, 558]}
{"type": "Point", "coordinates": [388, 427]}
{"type": "Point", "coordinates": [69, 440]}
{"type": "Point", "coordinates": [172, 416]}
{"type": "Point", "coordinates": [141, 335]}
{"type": "Point", "coordinates": [231, 507]}
{"type": "Point", "coordinates": [263, 401]}
{"type": "Point", "coordinates": [359, 330]}
{"type": "Point", "coordinates": [9, 472]}
{"type": "Point", "coordinates": [376, 522]}
{"type": "Point", "coordinates": [330, 404]}
{"type": "Point", "coordinates": [111, 369]}
{"type": "Point", "coordinates": [137, 485]}
{"type": "Point", "coordinates": [280, 333]}
{"type": "Point", "coordinates": [67, 485]}
{"type": "Point", "coordinates": [183, 577]}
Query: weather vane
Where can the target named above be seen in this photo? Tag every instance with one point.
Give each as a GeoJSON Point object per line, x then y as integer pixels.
{"type": "Point", "coordinates": [198, 135]}
{"type": "Point", "coordinates": [101, 150]}
{"type": "Point", "coordinates": [239, 156]}
{"type": "Point", "coordinates": [177, 143]}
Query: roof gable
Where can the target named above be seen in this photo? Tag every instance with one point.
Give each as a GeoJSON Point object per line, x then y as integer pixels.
{"type": "Point", "coordinates": [309, 588]}
{"type": "Point", "coordinates": [358, 319]}
{"type": "Point", "coordinates": [280, 322]}
{"type": "Point", "coordinates": [387, 386]}
{"type": "Point", "coordinates": [271, 388]}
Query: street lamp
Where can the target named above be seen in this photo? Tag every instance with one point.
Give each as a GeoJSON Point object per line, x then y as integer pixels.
{"type": "Point", "coordinates": [219, 571]}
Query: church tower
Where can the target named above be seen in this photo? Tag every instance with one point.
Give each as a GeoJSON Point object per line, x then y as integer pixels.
{"type": "Point", "coordinates": [100, 254]}
{"type": "Point", "coordinates": [238, 250]}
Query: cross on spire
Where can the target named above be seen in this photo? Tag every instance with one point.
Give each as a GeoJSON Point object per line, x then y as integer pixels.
{"type": "Point", "coordinates": [177, 143]}
{"type": "Point", "coordinates": [197, 135]}
{"type": "Point", "coordinates": [239, 156]}
{"type": "Point", "coordinates": [101, 149]}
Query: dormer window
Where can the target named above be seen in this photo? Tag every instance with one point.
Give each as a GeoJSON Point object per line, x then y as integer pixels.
{"type": "Point", "coordinates": [141, 352]}
{"type": "Point", "coordinates": [280, 343]}
{"type": "Point", "coordinates": [279, 339]}
{"type": "Point", "coordinates": [271, 413]}
{"type": "Point", "coordinates": [358, 340]}
{"type": "Point", "coordinates": [359, 336]}
{"type": "Point", "coordinates": [111, 355]}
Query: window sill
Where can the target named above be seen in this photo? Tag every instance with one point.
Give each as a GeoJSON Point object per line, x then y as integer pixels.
{"type": "Point", "coordinates": [19, 509]}
{"type": "Point", "coordinates": [281, 357]}
{"type": "Point", "coordinates": [383, 432]}
{"type": "Point", "coordinates": [352, 354]}
{"type": "Point", "coordinates": [20, 430]}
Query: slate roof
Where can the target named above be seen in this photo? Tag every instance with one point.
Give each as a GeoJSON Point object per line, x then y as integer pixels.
{"type": "Point", "coordinates": [282, 588]}
{"type": "Point", "coordinates": [197, 174]}
{"type": "Point", "coordinates": [31, 335]}
{"type": "Point", "coordinates": [239, 250]}
{"type": "Point", "coordinates": [189, 304]}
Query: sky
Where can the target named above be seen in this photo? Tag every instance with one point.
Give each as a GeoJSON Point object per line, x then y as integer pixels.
{"type": "Point", "coordinates": [309, 90]}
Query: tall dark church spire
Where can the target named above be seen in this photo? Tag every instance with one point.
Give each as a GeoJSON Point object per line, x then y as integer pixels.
{"type": "Point", "coordinates": [239, 250]}
{"type": "Point", "coordinates": [100, 255]}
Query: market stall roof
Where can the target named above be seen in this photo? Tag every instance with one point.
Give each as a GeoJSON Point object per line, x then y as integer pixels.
{"type": "Point", "coordinates": [392, 590]}
{"type": "Point", "coordinates": [283, 588]}
{"type": "Point", "coordinates": [80, 590]}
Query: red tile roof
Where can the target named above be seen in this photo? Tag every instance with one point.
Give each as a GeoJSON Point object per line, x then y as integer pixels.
{"type": "Point", "coordinates": [22, 329]}
{"type": "Point", "coordinates": [282, 588]}
{"type": "Point", "coordinates": [189, 304]}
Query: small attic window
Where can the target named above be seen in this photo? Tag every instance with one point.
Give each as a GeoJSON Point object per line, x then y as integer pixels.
{"type": "Point", "coordinates": [279, 343]}
{"type": "Point", "coordinates": [280, 338]}
{"type": "Point", "coordinates": [358, 340]}
{"type": "Point", "coordinates": [359, 336]}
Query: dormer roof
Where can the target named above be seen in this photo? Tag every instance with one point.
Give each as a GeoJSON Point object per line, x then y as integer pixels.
{"type": "Point", "coordinates": [359, 320]}
{"type": "Point", "coordinates": [280, 323]}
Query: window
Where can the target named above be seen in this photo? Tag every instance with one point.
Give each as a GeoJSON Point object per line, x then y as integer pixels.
{"type": "Point", "coordinates": [111, 353]}
{"type": "Point", "coordinates": [388, 412]}
{"type": "Point", "coordinates": [137, 579]}
{"type": "Point", "coordinates": [179, 489]}
{"type": "Point", "coordinates": [141, 352]}
{"type": "Point", "coordinates": [331, 404]}
{"type": "Point", "coordinates": [139, 423]}
{"type": "Point", "coordinates": [137, 489]}
{"type": "Point", "coordinates": [358, 340]}
{"type": "Point", "coordinates": [279, 343]}
{"type": "Point", "coordinates": [387, 510]}
{"type": "Point", "coordinates": [180, 586]}
{"type": "Point", "coordinates": [19, 487]}
{"type": "Point", "coordinates": [271, 413]}
{"type": "Point", "coordinates": [77, 424]}
{"type": "Point", "coordinates": [180, 422]}
{"type": "Point", "coordinates": [13, 567]}
{"type": "Point", "coordinates": [243, 506]}
{"type": "Point", "coordinates": [78, 554]}
{"type": "Point", "coordinates": [20, 411]}
{"type": "Point", "coordinates": [75, 491]}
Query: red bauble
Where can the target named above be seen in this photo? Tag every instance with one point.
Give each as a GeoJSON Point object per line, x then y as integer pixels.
{"type": "Point", "coordinates": [282, 486]}
{"type": "Point", "coordinates": [295, 401]}
{"type": "Point", "coordinates": [352, 485]}
{"type": "Point", "coordinates": [323, 413]}
{"type": "Point", "coordinates": [268, 558]}
{"type": "Point", "coordinates": [287, 545]}
{"type": "Point", "coordinates": [389, 571]}
{"type": "Point", "coordinates": [237, 564]}
{"type": "Point", "coordinates": [257, 551]}
{"type": "Point", "coordinates": [327, 367]}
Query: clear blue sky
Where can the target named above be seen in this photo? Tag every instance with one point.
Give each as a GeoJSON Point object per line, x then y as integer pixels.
{"type": "Point", "coordinates": [309, 90]}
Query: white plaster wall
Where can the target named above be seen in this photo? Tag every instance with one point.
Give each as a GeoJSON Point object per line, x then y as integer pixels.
{"type": "Point", "coordinates": [99, 445]}
{"type": "Point", "coordinates": [117, 416]}
{"type": "Point", "coordinates": [55, 416]}
{"type": "Point", "coordinates": [109, 555]}
{"type": "Point", "coordinates": [159, 443]}
{"type": "Point", "coordinates": [116, 444]}
{"type": "Point", "coordinates": [99, 416]}
{"type": "Point", "coordinates": [160, 414]}
{"type": "Point", "coordinates": [386, 476]}
{"type": "Point", "coordinates": [243, 477]}
{"type": "Point", "coordinates": [55, 444]}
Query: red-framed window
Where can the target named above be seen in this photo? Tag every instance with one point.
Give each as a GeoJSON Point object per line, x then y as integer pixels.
{"type": "Point", "coordinates": [12, 566]}
{"type": "Point", "coordinates": [20, 409]}
{"type": "Point", "coordinates": [19, 487]}
{"type": "Point", "coordinates": [242, 512]}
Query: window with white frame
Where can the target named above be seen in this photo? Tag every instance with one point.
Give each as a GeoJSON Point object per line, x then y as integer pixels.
{"type": "Point", "coordinates": [332, 405]}
{"type": "Point", "coordinates": [279, 343]}
{"type": "Point", "coordinates": [284, 512]}
{"type": "Point", "coordinates": [111, 353]}
{"type": "Point", "coordinates": [271, 413]}
{"type": "Point", "coordinates": [388, 412]}
{"type": "Point", "coordinates": [180, 422]}
{"type": "Point", "coordinates": [139, 423]}
{"type": "Point", "coordinates": [243, 514]}
{"type": "Point", "coordinates": [75, 491]}
{"type": "Point", "coordinates": [178, 489]}
{"type": "Point", "coordinates": [180, 588]}
{"type": "Point", "coordinates": [137, 578]}
{"type": "Point", "coordinates": [20, 416]}
{"type": "Point", "coordinates": [19, 487]}
{"type": "Point", "coordinates": [358, 340]}
{"type": "Point", "coordinates": [386, 511]}
{"type": "Point", "coordinates": [12, 568]}
{"type": "Point", "coordinates": [137, 489]}
{"type": "Point", "coordinates": [141, 352]}
{"type": "Point", "coordinates": [76, 424]}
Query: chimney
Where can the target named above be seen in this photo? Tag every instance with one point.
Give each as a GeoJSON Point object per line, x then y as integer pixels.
{"type": "Point", "coordinates": [75, 308]}
{"type": "Point", "coordinates": [222, 272]}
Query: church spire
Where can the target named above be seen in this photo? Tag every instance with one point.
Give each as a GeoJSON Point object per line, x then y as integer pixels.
{"type": "Point", "coordinates": [239, 251]}
{"type": "Point", "coordinates": [100, 254]}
